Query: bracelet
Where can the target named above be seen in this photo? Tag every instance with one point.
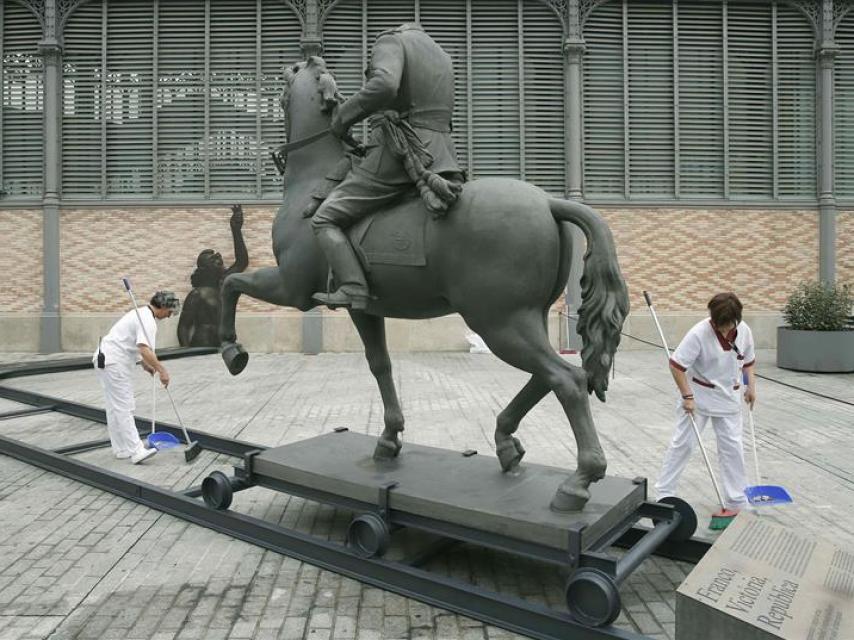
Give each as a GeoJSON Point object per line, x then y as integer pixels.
{"type": "Point", "coordinates": [690, 396]}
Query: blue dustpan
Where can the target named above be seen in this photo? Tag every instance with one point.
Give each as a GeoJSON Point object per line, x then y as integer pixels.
{"type": "Point", "coordinates": [163, 440]}
{"type": "Point", "coordinates": [767, 495]}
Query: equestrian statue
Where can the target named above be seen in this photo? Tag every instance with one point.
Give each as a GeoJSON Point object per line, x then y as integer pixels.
{"type": "Point", "coordinates": [398, 233]}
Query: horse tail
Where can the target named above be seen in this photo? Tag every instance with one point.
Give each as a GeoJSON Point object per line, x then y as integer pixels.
{"type": "Point", "coordinates": [604, 297]}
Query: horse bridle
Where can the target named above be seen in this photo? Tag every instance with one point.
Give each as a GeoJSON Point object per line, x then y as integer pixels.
{"type": "Point", "coordinates": [280, 155]}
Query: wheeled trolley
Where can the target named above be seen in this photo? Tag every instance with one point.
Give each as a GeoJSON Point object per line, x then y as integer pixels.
{"type": "Point", "coordinates": [465, 497]}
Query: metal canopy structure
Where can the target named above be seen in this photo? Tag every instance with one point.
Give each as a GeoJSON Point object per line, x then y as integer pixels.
{"type": "Point", "coordinates": [706, 102]}
{"type": "Point", "coordinates": [407, 577]}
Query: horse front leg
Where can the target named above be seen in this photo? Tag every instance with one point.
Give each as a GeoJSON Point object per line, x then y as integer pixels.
{"type": "Point", "coordinates": [265, 284]}
{"type": "Point", "coordinates": [372, 331]}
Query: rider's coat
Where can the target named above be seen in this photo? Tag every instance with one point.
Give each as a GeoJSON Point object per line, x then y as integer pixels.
{"type": "Point", "coordinates": [411, 74]}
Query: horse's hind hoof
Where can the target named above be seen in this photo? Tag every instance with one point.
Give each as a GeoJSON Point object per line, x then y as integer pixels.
{"type": "Point", "coordinates": [235, 357]}
{"type": "Point", "coordinates": [564, 502]}
{"type": "Point", "coordinates": [510, 453]}
{"type": "Point", "coordinates": [386, 450]}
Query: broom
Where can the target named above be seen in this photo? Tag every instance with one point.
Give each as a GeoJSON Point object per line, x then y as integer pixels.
{"type": "Point", "coordinates": [720, 519]}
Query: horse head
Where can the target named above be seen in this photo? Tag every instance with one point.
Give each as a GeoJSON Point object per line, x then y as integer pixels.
{"type": "Point", "coordinates": [309, 97]}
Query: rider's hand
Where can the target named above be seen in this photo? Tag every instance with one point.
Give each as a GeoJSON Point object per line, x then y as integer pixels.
{"type": "Point", "coordinates": [689, 405]}
{"type": "Point", "coordinates": [336, 126]}
{"type": "Point", "coordinates": [164, 377]}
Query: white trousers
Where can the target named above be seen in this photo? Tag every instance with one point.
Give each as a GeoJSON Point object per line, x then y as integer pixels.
{"type": "Point", "coordinates": [728, 430]}
{"type": "Point", "coordinates": [120, 404]}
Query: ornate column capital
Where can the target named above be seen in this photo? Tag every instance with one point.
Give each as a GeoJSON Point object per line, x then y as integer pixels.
{"type": "Point", "coordinates": [574, 47]}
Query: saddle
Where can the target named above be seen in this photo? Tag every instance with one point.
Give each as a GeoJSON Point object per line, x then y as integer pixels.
{"type": "Point", "coordinates": [394, 235]}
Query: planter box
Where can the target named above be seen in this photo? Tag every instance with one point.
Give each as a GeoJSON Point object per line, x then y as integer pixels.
{"type": "Point", "coordinates": [817, 351]}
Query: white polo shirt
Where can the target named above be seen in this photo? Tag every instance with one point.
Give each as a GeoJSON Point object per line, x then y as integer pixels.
{"type": "Point", "coordinates": [119, 346]}
{"type": "Point", "coordinates": [713, 367]}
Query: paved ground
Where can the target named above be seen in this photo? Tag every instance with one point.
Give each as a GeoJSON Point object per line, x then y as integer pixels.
{"type": "Point", "coordinates": [76, 562]}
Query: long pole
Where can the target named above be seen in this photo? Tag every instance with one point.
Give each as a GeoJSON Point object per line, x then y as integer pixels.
{"type": "Point", "coordinates": [690, 415]}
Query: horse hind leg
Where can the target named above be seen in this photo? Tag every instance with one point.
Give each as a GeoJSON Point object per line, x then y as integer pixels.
{"type": "Point", "coordinates": [509, 448]}
{"type": "Point", "coordinates": [521, 340]}
{"type": "Point", "coordinates": [372, 332]}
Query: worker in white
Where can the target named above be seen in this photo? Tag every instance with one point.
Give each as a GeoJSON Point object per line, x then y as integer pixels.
{"type": "Point", "coordinates": [117, 353]}
{"type": "Point", "coordinates": [709, 368]}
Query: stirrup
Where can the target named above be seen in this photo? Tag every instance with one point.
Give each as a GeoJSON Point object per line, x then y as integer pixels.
{"type": "Point", "coordinates": [357, 302]}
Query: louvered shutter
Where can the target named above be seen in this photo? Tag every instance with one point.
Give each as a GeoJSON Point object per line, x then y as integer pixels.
{"type": "Point", "coordinates": [280, 36]}
{"type": "Point", "coordinates": [844, 110]}
{"type": "Point", "coordinates": [650, 76]}
{"type": "Point", "coordinates": [128, 98]}
{"type": "Point", "coordinates": [796, 151]}
{"type": "Point", "coordinates": [82, 135]}
{"type": "Point", "coordinates": [445, 21]}
{"type": "Point", "coordinates": [495, 89]}
{"type": "Point", "coordinates": [180, 98]}
{"type": "Point", "coordinates": [545, 142]}
{"type": "Point", "coordinates": [343, 46]}
{"type": "Point", "coordinates": [604, 127]}
{"type": "Point", "coordinates": [22, 122]}
{"type": "Point", "coordinates": [701, 102]}
{"type": "Point", "coordinates": [232, 145]}
{"type": "Point", "coordinates": [750, 99]}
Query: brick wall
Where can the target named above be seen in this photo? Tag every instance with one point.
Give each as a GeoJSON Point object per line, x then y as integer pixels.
{"type": "Point", "coordinates": [156, 246]}
{"type": "Point", "coordinates": [681, 255]}
{"type": "Point", "coordinates": [21, 260]}
{"type": "Point", "coordinates": [684, 256]}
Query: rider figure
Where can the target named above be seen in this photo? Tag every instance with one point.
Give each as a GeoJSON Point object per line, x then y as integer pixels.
{"type": "Point", "coordinates": [412, 75]}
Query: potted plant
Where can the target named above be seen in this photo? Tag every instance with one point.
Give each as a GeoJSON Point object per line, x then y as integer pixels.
{"type": "Point", "coordinates": [818, 335]}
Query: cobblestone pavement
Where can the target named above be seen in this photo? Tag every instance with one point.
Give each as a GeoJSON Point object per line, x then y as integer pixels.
{"type": "Point", "coordinates": [76, 562]}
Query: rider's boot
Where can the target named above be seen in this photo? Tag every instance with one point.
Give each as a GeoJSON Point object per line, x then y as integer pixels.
{"type": "Point", "coordinates": [353, 287]}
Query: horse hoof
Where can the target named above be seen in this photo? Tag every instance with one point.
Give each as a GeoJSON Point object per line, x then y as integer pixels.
{"type": "Point", "coordinates": [510, 454]}
{"type": "Point", "coordinates": [386, 450]}
{"type": "Point", "coordinates": [235, 357]}
{"type": "Point", "coordinates": [564, 502]}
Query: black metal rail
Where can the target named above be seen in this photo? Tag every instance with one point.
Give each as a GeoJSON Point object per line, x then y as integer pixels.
{"type": "Point", "coordinates": [409, 580]}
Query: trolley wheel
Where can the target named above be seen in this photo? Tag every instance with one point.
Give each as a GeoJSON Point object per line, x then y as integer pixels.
{"type": "Point", "coordinates": [688, 522]}
{"type": "Point", "coordinates": [217, 491]}
{"type": "Point", "coordinates": [592, 597]}
{"type": "Point", "coordinates": [368, 535]}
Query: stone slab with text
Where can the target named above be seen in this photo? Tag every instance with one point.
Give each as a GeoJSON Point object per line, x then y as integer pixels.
{"type": "Point", "coordinates": [761, 580]}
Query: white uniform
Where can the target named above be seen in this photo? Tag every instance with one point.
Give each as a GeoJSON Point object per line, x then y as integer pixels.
{"type": "Point", "coordinates": [715, 372]}
{"type": "Point", "coordinates": [121, 352]}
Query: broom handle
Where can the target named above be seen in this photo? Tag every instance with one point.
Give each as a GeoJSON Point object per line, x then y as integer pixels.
{"type": "Point", "coordinates": [153, 401]}
{"type": "Point", "coordinates": [690, 415]}
{"type": "Point", "coordinates": [753, 442]}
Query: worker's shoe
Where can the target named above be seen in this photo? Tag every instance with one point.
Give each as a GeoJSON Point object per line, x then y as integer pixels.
{"type": "Point", "coordinates": [123, 456]}
{"type": "Point", "coordinates": [357, 300]}
{"type": "Point", "coordinates": [142, 454]}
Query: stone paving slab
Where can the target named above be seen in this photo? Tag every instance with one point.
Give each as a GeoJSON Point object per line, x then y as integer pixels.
{"type": "Point", "coordinates": [76, 562]}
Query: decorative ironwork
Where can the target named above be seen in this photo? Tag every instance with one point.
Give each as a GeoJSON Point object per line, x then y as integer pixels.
{"type": "Point", "coordinates": [561, 10]}
{"type": "Point", "coordinates": [299, 8]}
{"type": "Point", "coordinates": [840, 10]}
{"type": "Point", "coordinates": [65, 8]}
{"type": "Point", "coordinates": [585, 8]}
{"type": "Point", "coordinates": [37, 7]}
{"type": "Point", "coordinates": [812, 10]}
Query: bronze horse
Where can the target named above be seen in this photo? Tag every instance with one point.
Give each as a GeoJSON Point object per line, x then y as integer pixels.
{"type": "Point", "coordinates": [500, 258]}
